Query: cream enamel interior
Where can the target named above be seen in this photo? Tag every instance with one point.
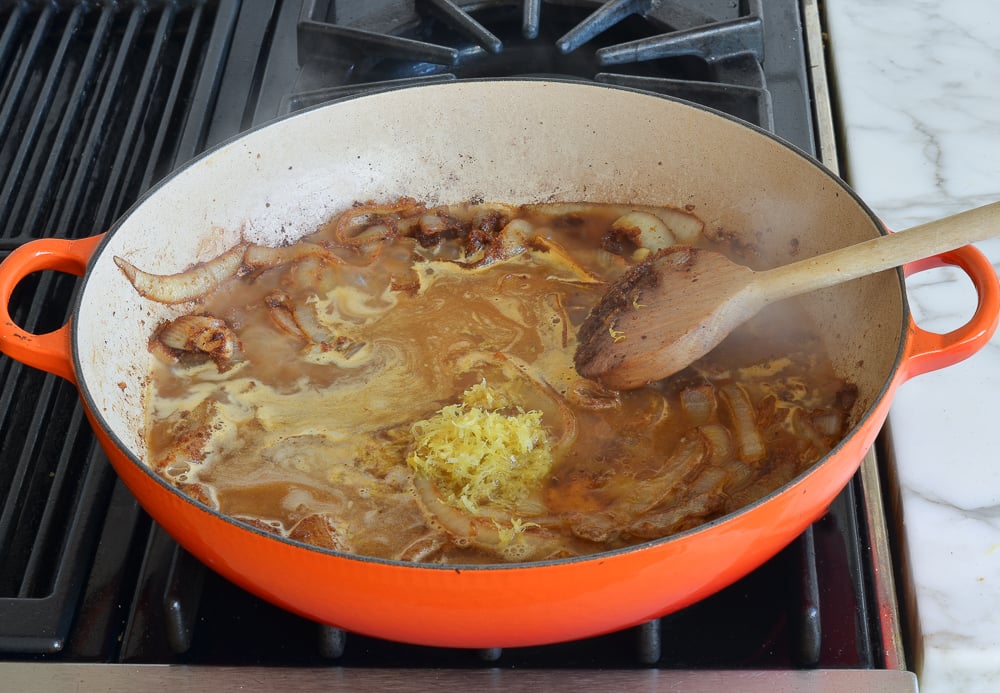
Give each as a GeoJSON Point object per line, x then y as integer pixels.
{"type": "Point", "coordinates": [513, 141]}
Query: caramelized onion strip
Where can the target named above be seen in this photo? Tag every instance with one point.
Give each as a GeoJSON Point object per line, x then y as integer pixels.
{"type": "Point", "coordinates": [424, 549]}
{"type": "Point", "coordinates": [488, 532]}
{"type": "Point", "coordinates": [719, 442]}
{"type": "Point", "coordinates": [562, 258]}
{"type": "Point", "coordinates": [683, 465]}
{"type": "Point", "coordinates": [189, 285]}
{"type": "Point", "coordinates": [699, 403]}
{"type": "Point", "coordinates": [749, 440]}
{"type": "Point", "coordinates": [647, 507]}
{"type": "Point", "coordinates": [261, 257]}
{"type": "Point", "coordinates": [685, 227]}
{"type": "Point", "coordinates": [644, 230]}
{"type": "Point", "coordinates": [828, 422]}
{"type": "Point", "coordinates": [511, 241]}
{"type": "Point", "coordinates": [594, 396]}
{"type": "Point", "coordinates": [305, 318]}
{"type": "Point", "coordinates": [688, 513]}
{"type": "Point", "coordinates": [282, 315]}
{"type": "Point", "coordinates": [298, 320]}
{"type": "Point", "coordinates": [199, 334]}
{"type": "Point", "coordinates": [369, 222]}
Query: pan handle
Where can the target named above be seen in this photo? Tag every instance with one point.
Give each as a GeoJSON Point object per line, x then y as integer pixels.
{"type": "Point", "coordinates": [928, 351]}
{"type": "Point", "coordinates": [52, 351]}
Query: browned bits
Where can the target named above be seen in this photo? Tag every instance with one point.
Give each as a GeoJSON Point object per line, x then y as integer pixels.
{"type": "Point", "coordinates": [320, 530]}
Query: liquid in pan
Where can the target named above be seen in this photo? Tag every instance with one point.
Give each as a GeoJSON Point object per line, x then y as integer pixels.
{"type": "Point", "coordinates": [400, 384]}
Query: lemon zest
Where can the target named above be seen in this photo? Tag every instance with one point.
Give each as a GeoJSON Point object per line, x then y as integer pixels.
{"type": "Point", "coordinates": [482, 452]}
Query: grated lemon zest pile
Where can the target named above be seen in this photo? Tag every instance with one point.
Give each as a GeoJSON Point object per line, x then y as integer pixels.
{"type": "Point", "coordinates": [477, 455]}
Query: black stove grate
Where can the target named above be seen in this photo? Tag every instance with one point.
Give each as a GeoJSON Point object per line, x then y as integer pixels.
{"type": "Point", "coordinates": [96, 104]}
{"type": "Point", "coordinates": [99, 101]}
{"type": "Point", "coordinates": [666, 48]}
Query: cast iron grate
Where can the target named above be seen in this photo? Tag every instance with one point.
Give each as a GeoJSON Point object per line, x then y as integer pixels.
{"type": "Point", "coordinates": [97, 102]}
{"type": "Point", "coordinates": [95, 108]}
{"type": "Point", "coordinates": [713, 57]}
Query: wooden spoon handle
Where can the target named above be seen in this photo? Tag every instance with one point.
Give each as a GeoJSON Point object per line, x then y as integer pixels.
{"type": "Point", "coordinates": [880, 253]}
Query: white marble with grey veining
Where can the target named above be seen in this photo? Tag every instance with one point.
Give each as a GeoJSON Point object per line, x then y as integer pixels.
{"type": "Point", "coordinates": [918, 83]}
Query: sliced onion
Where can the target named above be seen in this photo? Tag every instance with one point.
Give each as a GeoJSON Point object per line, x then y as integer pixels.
{"type": "Point", "coordinates": [432, 224]}
{"type": "Point", "coordinates": [314, 273]}
{"type": "Point", "coordinates": [612, 264]}
{"type": "Point", "coordinates": [687, 513]}
{"type": "Point", "coordinates": [323, 345]}
{"type": "Point", "coordinates": [189, 285]}
{"type": "Point", "coordinates": [199, 334]}
{"type": "Point", "coordinates": [423, 549]}
{"type": "Point", "coordinates": [592, 395]}
{"type": "Point", "coordinates": [278, 307]}
{"type": "Point", "coordinates": [740, 475]}
{"type": "Point", "coordinates": [749, 441]}
{"type": "Point", "coordinates": [485, 216]}
{"type": "Point", "coordinates": [684, 465]}
{"type": "Point", "coordinates": [644, 230]}
{"type": "Point", "coordinates": [718, 441]}
{"type": "Point", "coordinates": [561, 257]}
{"type": "Point", "coordinates": [487, 532]}
{"type": "Point", "coordinates": [370, 222]}
{"type": "Point", "coordinates": [510, 242]}
{"type": "Point", "coordinates": [305, 318]}
{"type": "Point", "coordinates": [259, 257]}
{"type": "Point", "coordinates": [297, 320]}
{"type": "Point", "coordinates": [434, 227]}
{"type": "Point", "coordinates": [829, 422]}
{"type": "Point", "coordinates": [699, 403]}
{"type": "Point", "coordinates": [761, 485]}
{"type": "Point", "coordinates": [710, 482]}
{"type": "Point", "coordinates": [685, 227]}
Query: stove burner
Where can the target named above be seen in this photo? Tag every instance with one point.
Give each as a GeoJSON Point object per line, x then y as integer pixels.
{"type": "Point", "coordinates": [657, 46]}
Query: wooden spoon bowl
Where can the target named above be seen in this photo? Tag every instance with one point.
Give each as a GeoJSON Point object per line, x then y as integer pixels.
{"type": "Point", "coordinates": [679, 303]}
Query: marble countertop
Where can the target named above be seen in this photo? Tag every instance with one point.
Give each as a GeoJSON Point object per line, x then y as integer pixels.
{"type": "Point", "coordinates": [918, 88]}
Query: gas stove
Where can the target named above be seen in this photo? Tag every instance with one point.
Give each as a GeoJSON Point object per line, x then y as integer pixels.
{"type": "Point", "coordinates": [99, 101]}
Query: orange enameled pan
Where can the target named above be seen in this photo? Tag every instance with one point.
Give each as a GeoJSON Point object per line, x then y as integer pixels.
{"type": "Point", "coordinates": [515, 141]}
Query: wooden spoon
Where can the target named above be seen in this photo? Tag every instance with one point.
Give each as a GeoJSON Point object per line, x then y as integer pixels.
{"type": "Point", "coordinates": [677, 305]}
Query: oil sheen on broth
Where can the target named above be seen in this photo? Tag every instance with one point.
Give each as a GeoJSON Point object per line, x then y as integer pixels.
{"type": "Point", "coordinates": [400, 384]}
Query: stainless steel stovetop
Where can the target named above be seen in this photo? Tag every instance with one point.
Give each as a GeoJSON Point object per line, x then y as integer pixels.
{"type": "Point", "coordinates": [98, 101]}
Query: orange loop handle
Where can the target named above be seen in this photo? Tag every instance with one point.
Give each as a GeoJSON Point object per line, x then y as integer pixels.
{"type": "Point", "coordinates": [927, 351]}
{"type": "Point", "coordinates": [52, 351]}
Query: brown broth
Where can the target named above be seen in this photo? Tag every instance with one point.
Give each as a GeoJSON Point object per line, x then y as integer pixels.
{"type": "Point", "coordinates": [306, 434]}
